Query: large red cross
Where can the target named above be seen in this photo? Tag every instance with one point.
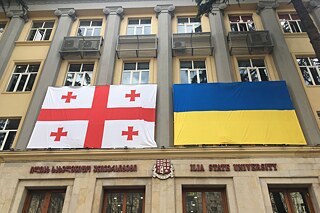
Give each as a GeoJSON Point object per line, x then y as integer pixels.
{"type": "Point", "coordinates": [68, 97]}
{"type": "Point", "coordinates": [58, 134]}
{"type": "Point", "coordinates": [130, 133]}
{"type": "Point", "coordinates": [96, 115]}
{"type": "Point", "coordinates": [133, 95]}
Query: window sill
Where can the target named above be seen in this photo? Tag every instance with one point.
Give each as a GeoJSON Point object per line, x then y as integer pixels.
{"type": "Point", "coordinates": [33, 43]}
{"type": "Point", "coordinates": [295, 35]}
{"type": "Point", "coordinates": [313, 86]}
{"type": "Point", "coordinates": [16, 93]}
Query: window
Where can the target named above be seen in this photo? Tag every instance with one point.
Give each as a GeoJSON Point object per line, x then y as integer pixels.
{"type": "Point", "coordinates": [40, 31]}
{"type": "Point", "coordinates": [241, 23]}
{"type": "Point", "coordinates": [8, 130]}
{"type": "Point", "coordinates": [204, 201]}
{"type": "Point", "coordinates": [135, 73]}
{"type": "Point", "coordinates": [193, 72]}
{"type": "Point", "coordinates": [90, 28]}
{"type": "Point", "coordinates": [44, 201]}
{"type": "Point", "coordinates": [23, 77]}
{"type": "Point", "coordinates": [253, 70]}
{"type": "Point", "coordinates": [291, 23]}
{"type": "Point", "coordinates": [290, 201]}
{"type": "Point", "coordinates": [2, 26]}
{"type": "Point", "coordinates": [310, 69]}
{"type": "Point", "coordinates": [124, 201]}
{"type": "Point", "coordinates": [189, 25]}
{"type": "Point", "coordinates": [79, 75]}
{"type": "Point", "coordinates": [139, 26]}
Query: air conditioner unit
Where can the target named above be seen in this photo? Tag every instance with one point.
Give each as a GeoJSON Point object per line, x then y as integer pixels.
{"type": "Point", "coordinates": [89, 44]}
{"type": "Point", "coordinates": [70, 44]}
{"type": "Point", "coordinates": [179, 45]}
{"type": "Point", "coordinates": [259, 39]}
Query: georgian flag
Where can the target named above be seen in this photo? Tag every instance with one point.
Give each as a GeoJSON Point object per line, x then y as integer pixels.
{"type": "Point", "coordinates": [115, 116]}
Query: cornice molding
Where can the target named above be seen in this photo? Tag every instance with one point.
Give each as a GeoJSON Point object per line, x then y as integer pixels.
{"type": "Point", "coordinates": [117, 10]}
{"type": "Point", "coordinates": [151, 154]}
{"type": "Point", "coordinates": [66, 12]}
{"type": "Point", "coordinates": [166, 8]}
{"type": "Point", "coordinates": [267, 5]}
{"type": "Point", "coordinates": [17, 14]}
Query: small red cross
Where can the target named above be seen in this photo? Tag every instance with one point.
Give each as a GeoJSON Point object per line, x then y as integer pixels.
{"type": "Point", "coordinates": [133, 95]}
{"type": "Point", "coordinates": [130, 133]}
{"type": "Point", "coordinates": [58, 134]}
{"type": "Point", "coordinates": [68, 97]}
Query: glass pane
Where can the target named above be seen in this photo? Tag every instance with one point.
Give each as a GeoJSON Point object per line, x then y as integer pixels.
{"type": "Point", "coordinates": [87, 67]}
{"type": "Point", "coordinates": [74, 67]}
{"type": "Point", "coordinates": [181, 29]}
{"type": "Point", "coordinates": [254, 75]}
{"type": "Point", "coordinates": [87, 79]}
{"type": "Point", "coordinates": [37, 200]}
{"type": "Point", "coordinates": [278, 202]}
{"type": "Point", "coordinates": [182, 20]}
{"type": "Point", "coordinates": [306, 76]}
{"type": "Point", "coordinates": [315, 75]}
{"type": "Point", "coordinates": [114, 203]}
{"type": "Point", "coordinates": [146, 21]}
{"type": "Point", "coordinates": [96, 32]}
{"type": "Point", "coordinates": [81, 31]}
{"type": "Point", "coordinates": [184, 77]}
{"type": "Point", "coordinates": [138, 30]}
{"type": "Point", "coordinates": [147, 30]}
{"type": "Point", "coordinates": [285, 26]}
{"type": "Point", "coordinates": [2, 123]}
{"type": "Point", "coordinates": [299, 202]}
{"type": "Point", "coordinates": [303, 29]}
{"type": "Point", "coordinates": [30, 83]}
{"type": "Point", "coordinates": [134, 21]}
{"type": "Point", "coordinates": [251, 26]}
{"type": "Point", "coordinates": [234, 18]}
{"type": "Point", "coordinates": [12, 124]}
{"type": "Point", "coordinates": [199, 64]}
{"type": "Point", "coordinates": [97, 23]}
{"type": "Point", "coordinates": [12, 83]}
{"type": "Point", "coordinates": [20, 68]}
{"type": "Point", "coordinates": [247, 18]}
{"type": "Point", "coordinates": [144, 77]}
{"type": "Point", "coordinates": [129, 66]}
{"type": "Point", "coordinates": [198, 29]}
{"type": "Point", "coordinates": [33, 68]}
{"type": "Point", "coordinates": [203, 76]}
{"type": "Point", "coordinates": [31, 35]}
{"type": "Point", "coordinates": [22, 82]}
{"type": "Point", "coordinates": [295, 17]}
{"type": "Point", "coordinates": [84, 23]}
{"type": "Point", "coordinates": [263, 74]}
{"type": "Point", "coordinates": [37, 24]}
{"type": "Point", "coordinates": [243, 27]}
{"type": "Point", "coordinates": [195, 19]}
{"type": "Point", "coordinates": [189, 29]}
{"type": "Point", "coordinates": [244, 74]}
{"type": "Point", "coordinates": [294, 26]}
{"type": "Point", "coordinates": [214, 202]}
{"type": "Point", "coordinates": [303, 61]}
{"type": "Point", "coordinates": [78, 81]}
{"type": "Point", "coordinates": [315, 62]}
{"type": "Point", "coordinates": [9, 140]}
{"type": "Point", "coordinates": [135, 77]}
{"type": "Point", "coordinates": [89, 32]}
{"type": "Point", "coordinates": [56, 202]}
{"type": "Point", "coordinates": [130, 31]}
{"type": "Point", "coordinates": [47, 34]}
{"type": "Point", "coordinates": [125, 78]}
{"type": "Point", "coordinates": [193, 77]}
{"type": "Point", "coordinates": [39, 35]}
{"type": "Point", "coordinates": [48, 24]}
{"type": "Point", "coordinates": [143, 66]}
{"type": "Point", "coordinates": [186, 64]}
{"type": "Point", "coordinates": [134, 202]}
{"type": "Point", "coordinates": [69, 79]}
{"type": "Point", "coordinates": [244, 63]}
{"type": "Point", "coordinates": [258, 63]}
{"type": "Point", "coordinates": [194, 202]}
{"type": "Point", "coordinates": [2, 136]}
{"type": "Point", "coordinates": [234, 27]}
{"type": "Point", "coordinates": [284, 16]}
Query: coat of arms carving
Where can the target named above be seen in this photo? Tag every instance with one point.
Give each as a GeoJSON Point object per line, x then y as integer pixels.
{"type": "Point", "coordinates": [163, 169]}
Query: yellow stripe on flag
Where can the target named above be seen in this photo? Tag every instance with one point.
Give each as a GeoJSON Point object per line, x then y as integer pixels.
{"type": "Point", "coordinates": [237, 127]}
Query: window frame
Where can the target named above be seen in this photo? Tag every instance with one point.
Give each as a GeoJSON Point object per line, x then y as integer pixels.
{"type": "Point", "coordinates": [253, 68]}
{"type": "Point", "coordinates": [203, 190]}
{"type": "Point", "coordinates": [48, 193]}
{"type": "Point", "coordinates": [125, 191]}
{"type": "Point", "coordinates": [291, 20]}
{"type": "Point", "coordinates": [8, 131]}
{"type": "Point", "coordinates": [185, 25]}
{"type": "Point", "coordinates": [26, 72]}
{"type": "Point", "coordinates": [288, 201]}
{"type": "Point", "coordinates": [75, 74]}
{"type": "Point", "coordinates": [139, 25]}
{"type": "Point", "coordinates": [42, 28]}
{"type": "Point", "coordinates": [135, 71]}
{"type": "Point", "coordinates": [193, 69]}
{"type": "Point", "coordinates": [89, 27]}
{"type": "Point", "coordinates": [317, 68]}
{"type": "Point", "coordinates": [242, 22]}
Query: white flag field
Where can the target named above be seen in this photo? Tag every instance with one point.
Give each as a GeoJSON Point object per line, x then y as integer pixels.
{"type": "Point", "coordinates": [114, 116]}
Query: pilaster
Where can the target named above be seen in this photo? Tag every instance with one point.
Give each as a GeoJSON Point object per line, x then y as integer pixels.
{"type": "Point", "coordinates": [48, 74]}
{"type": "Point", "coordinates": [287, 71]}
{"type": "Point", "coordinates": [105, 70]}
{"type": "Point", "coordinates": [164, 122]}
{"type": "Point", "coordinates": [222, 56]}
{"type": "Point", "coordinates": [11, 34]}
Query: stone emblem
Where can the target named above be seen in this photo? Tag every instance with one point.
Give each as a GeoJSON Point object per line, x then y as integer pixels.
{"type": "Point", "coordinates": [163, 169]}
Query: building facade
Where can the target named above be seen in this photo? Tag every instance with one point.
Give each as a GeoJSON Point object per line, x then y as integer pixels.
{"type": "Point", "coordinates": [81, 43]}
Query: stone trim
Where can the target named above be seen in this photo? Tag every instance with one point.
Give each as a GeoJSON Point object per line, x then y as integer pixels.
{"type": "Point", "coordinates": [312, 5]}
{"type": "Point", "coordinates": [267, 5]}
{"type": "Point", "coordinates": [66, 12]}
{"type": "Point", "coordinates": [118, 10]}
{"type": "Point", "coordinates": [17, 14]}
{"type": "Point", "coordinates": [167, 8]}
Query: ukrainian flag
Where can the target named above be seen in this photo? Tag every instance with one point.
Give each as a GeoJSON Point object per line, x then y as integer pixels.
{"type": "Point", "coordinates": [235, 113]}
